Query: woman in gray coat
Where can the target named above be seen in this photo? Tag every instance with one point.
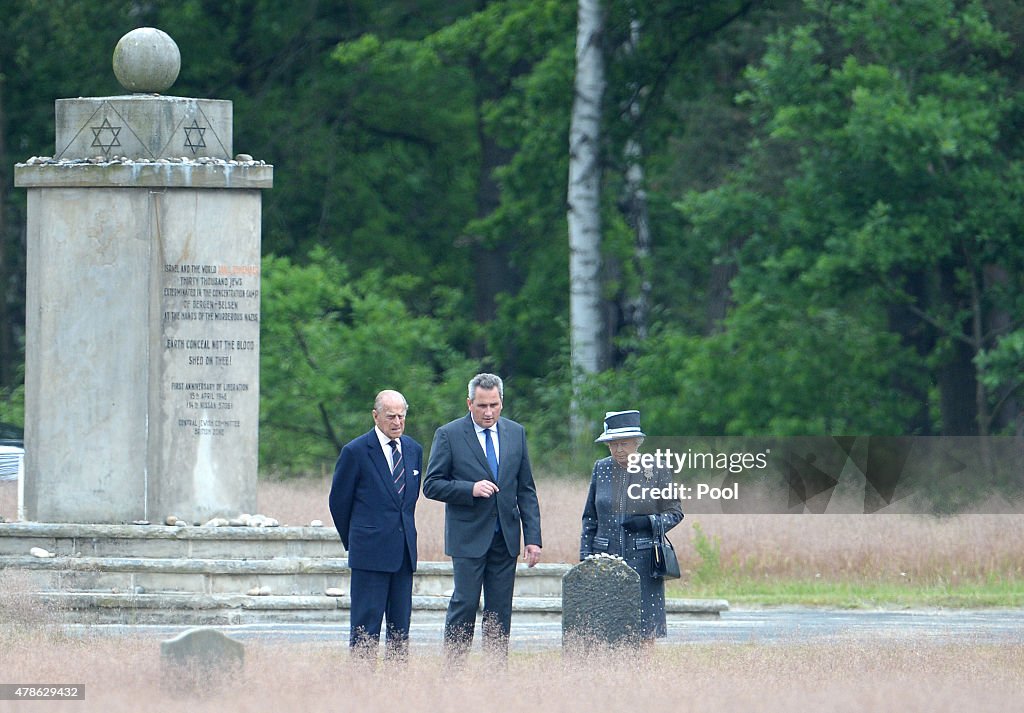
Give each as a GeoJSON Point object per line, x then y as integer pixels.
{"type": "Point", "coordinates": [617, 518]}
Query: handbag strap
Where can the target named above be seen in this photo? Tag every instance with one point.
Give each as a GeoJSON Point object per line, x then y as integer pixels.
{"type": "Point", "coordinates": [657, 528]}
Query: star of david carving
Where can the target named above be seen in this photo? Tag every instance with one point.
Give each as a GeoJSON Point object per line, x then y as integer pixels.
{"type": "Point", "coordinates": [194, 138]}
{"type": "Point", "coordinates": [105, 136]}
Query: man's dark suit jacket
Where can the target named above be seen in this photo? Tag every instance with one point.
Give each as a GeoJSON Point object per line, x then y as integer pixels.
{"type": "Point", "coordinates": [374, 523]}
{"type": "Point", "coordinates": [456, 462]}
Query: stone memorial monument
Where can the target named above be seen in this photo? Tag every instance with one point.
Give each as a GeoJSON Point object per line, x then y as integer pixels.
{"type": "Point", "coordinates": [142, 305]}
{"type": "Point", "coordinates": [600, 605]}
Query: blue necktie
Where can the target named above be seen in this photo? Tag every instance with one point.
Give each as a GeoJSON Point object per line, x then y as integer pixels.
{"type": "Point", "coordinates": [492, 457]}
{"type": "Point", "coordinates": [492, 460]}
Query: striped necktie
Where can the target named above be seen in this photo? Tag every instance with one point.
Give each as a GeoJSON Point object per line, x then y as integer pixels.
{"type": "Point", "coordinates": [398, 471]}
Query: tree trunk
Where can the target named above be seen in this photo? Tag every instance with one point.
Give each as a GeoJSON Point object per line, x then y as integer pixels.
{"type": "Point", "coordinates": [1007, 415]}
{"type": "Point", "coordinates": [9, 281]}
{"type": "Point", "coordinates": [584, 193]}
{"type": "Point", "coordinates": [956, 375]}
{"type": "Point", "coordinates": [584, 202]}
{"type": "Point", "coordinates": [920, 337]}
{"type": "Point", "coordinates": [719, 295]}
{"type": "Point", "coordinates": [493, 274]}
{"type": "Point", "coordinates": [637, 305]}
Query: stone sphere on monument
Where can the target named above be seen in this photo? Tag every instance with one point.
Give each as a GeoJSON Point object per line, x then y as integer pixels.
{"type": "Point", "coordinates": [146, 60]}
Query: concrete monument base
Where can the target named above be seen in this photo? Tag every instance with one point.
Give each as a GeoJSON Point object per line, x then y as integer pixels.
{"type": "Point", "coordinates": [150, 574]}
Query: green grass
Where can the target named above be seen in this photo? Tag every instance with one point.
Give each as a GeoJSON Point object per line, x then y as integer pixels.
{"type": "Point", "coordinates": [750, 592]}
{"type": "Point", "coordinates": [748, 583]}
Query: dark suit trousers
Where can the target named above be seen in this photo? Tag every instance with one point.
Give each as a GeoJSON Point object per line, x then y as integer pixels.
{"type": "Point", "coordinates": [376, 595]}
{"type": "Point", "coordinates": [495, 574]}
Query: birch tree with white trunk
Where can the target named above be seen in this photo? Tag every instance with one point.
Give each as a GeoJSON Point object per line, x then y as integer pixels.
{"type": "Point", "coordinates": [586, 314]}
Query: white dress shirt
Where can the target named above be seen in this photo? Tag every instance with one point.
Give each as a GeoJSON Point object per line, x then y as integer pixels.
{"type": "Point", "coordinates": [384, 441]}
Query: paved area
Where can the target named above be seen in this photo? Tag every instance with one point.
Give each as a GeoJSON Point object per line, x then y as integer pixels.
{"type": "Point", "coordinates": [799, 625]}
{"type": "Point", "coordinates": [766, 626]}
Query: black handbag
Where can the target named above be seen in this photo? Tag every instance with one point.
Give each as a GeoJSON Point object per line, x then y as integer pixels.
{"type": "Point", "coordinates": [664, 564]}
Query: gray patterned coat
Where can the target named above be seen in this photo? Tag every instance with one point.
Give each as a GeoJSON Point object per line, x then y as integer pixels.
{"type": "Point", "coordinates": [608, 505]}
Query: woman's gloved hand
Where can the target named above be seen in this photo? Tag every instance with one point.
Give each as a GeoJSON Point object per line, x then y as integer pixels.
{"type": "Point", "coordinates": [638, 523]}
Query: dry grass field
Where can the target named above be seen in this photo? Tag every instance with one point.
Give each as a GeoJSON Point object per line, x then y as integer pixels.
{"type": "Point", "coordinates": [893, 548]}
{"type": "Point", "coordinates": [876, 548]}
{"type": "Point", "coordinates": [125, 674]}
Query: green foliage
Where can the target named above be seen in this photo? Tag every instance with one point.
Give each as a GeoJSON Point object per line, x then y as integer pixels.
{"type": "Point", "coordinates": [502, 76]}
{"type": "Point", "coordinates": [330, 343]}
{"type": "Point", "coordinates": [828, 251]}
{"type": "Point", "coordinates": [742, 589]}
{"type": "Point", "coordinates": [1001, 367]}
{"type": "Point", "coordinates": [884, 129]}
{"type": "Point", "coordinates": [776, 369]}
{"type": "Point", "coordinates": [709, 549]}
{"type": "Point", "coordinates": [12, 405]}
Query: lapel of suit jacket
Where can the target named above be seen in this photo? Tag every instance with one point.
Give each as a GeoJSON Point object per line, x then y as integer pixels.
{"type": "Point", "coordinates": [381, 464]}
{"type": "Point", "coordinates": [473, 443]}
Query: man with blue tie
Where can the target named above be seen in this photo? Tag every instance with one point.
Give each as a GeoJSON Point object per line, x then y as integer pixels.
{"type": "Point", "coordinates": [480, 468]}
{"type": "Point", "coordinates": [373, 503]}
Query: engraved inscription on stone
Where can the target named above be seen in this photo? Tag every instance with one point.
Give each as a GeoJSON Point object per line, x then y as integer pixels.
{"type": "Point", "coordinates": [210, 322]}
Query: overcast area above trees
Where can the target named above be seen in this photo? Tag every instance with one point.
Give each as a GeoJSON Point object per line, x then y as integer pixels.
{"type": "Point", "coordinates": [808, 215]}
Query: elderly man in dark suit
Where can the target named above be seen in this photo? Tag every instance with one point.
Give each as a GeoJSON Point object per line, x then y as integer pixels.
{"type": "Point", "coordinates": [480, 468]}
{"type": "Point", "coordinates": [373, 503]}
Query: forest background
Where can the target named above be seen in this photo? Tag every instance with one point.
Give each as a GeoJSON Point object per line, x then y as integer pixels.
{"type": "Point", "coordinates": [810, 212]}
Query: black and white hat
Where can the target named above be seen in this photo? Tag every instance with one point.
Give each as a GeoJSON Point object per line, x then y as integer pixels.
{"type": "Point", "coordinates": [619, 425]}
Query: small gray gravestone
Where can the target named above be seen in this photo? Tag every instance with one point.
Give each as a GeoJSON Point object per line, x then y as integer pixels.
{"type": "Point", "coordinates": [600, 604]}
{"type": "Point", "coordinates": [200, 655]}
